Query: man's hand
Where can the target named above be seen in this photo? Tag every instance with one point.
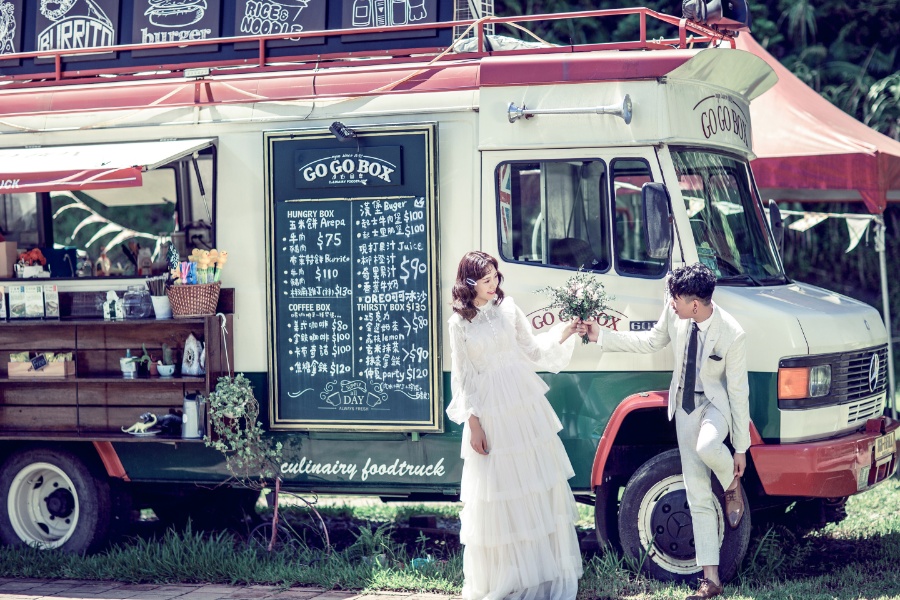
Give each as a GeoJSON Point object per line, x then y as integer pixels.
{"type": "Point", "coordinates": [587, 327]}
{"type": "Point", "coordinates": [740, 463]}
{"type": "Point", "coordinates": [479, 439]}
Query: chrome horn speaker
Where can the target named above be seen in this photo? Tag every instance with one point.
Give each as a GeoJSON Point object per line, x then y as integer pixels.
{"type": "Point", "coordinates": [624, 110]}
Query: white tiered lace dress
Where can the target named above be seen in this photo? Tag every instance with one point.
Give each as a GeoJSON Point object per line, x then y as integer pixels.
{"type": "Point", "coordinates": [517, 523]}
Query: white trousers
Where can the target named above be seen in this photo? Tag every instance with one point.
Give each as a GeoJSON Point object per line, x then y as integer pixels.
{"type": "Point", "coordinates": [701, 437]}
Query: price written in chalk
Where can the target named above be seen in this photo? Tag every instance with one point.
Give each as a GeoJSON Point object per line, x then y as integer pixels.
{"type": "Point", "coordinates": [416, 267]}
{"type": "Point", "coordinates": [418, 323]}
{"type": "Point", "coordinates": [415, 354]}
{"type": "Point", "coordinates": [322, 274]}
{"type": "Point", "coordinates": [328, 240]}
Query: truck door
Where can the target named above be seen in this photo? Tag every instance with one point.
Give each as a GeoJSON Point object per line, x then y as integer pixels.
{"type": "Point", "coordinates": [547, 213]}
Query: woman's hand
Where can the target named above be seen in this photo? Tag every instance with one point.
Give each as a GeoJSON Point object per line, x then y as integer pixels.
{"type": "Point", "coordinates": [478, 438]}
{"type": "Point", "coordinates": [570, 328]}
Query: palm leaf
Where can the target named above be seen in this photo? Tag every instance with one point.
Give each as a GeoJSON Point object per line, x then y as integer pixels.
{"type": "Point", "coordinates": [92, 218]}
{"type": "Point", "coordinates": [106, 229]}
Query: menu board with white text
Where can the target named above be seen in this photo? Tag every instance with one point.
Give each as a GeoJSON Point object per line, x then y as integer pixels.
{"type": "Point", "coordinates": [353, 272]}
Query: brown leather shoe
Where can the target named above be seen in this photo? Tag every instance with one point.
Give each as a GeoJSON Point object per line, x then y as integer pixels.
{"type": "Point", "coordinates": [707, 589]}
{"type": "Point", "coordinates": [734, 506]}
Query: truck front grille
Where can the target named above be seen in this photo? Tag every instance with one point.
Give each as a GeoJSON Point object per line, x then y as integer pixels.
{"type": "Point", "coordinates": [855, 375]}
{"type": "Point", "coordinates": [861, 411]}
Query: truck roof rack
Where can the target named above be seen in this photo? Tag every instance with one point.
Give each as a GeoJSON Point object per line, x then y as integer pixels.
{"type": "Point", "coordinates": [53, 68]}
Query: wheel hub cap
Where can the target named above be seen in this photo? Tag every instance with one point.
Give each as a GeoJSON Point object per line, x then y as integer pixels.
{"type": "Point", "coordinates": [673, 529]}
{"type": "Point", "coordinates": [60, 503]}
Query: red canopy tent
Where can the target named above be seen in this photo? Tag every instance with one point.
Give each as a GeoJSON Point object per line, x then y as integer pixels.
{"type": "Point", "coordinates": [810, 150]}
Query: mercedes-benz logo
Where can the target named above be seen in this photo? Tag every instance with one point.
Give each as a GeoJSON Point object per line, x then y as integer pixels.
{"type": "Point", "coordinates": [874, 365]}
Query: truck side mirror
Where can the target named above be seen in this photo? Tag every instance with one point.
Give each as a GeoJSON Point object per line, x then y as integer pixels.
{"type": "Point", "coordinates": [657, 219]}
{"type": "Point", "coordinates": [777, 223]}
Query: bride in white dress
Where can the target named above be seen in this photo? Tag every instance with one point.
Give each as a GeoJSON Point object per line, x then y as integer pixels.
{"type": "Point", "coordinates": [517, 523]}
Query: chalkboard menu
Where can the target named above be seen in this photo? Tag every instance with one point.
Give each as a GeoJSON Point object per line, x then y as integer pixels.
{"type": "Point", "coordinates": [353, 301]}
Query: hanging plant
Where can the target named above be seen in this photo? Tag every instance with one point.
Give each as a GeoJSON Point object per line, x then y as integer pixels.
{"type": "Point", "coordinates": [250, 457]}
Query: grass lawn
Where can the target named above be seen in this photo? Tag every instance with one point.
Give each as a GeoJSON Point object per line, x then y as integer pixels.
{"type": "Point", "coordinates": [858, 558]}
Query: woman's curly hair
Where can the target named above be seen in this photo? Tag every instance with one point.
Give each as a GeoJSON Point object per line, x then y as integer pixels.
{"type": "Point", "coordinates": [474, 266]}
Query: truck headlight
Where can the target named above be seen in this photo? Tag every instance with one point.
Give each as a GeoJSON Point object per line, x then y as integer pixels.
{"type": "Point", "coordinates": [795, 383]}
{"type": "Point", "coordinates": [819, 381]}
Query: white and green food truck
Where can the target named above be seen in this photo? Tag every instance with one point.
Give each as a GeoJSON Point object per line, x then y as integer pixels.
{"type": "Point", "coordinates": [346, 166]}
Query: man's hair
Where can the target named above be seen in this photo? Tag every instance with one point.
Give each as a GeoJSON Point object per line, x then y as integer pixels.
{"type": "Point", "coordinates": [695, 280]}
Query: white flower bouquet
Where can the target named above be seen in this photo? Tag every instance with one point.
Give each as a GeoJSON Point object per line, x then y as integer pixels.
{"type": "Point", "coordinates": [582, 297]}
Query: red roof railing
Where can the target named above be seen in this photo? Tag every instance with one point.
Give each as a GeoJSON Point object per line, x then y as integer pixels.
{"type": "Point", "coordinates": [689, 33]}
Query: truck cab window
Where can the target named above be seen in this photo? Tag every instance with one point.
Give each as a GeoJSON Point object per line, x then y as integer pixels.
{"type": "Point", "coordinates": [554, 213]}
{"type": "Point", "coordinates": [631, 252]}
{"type": "Point", "coordinates": [727, 223]}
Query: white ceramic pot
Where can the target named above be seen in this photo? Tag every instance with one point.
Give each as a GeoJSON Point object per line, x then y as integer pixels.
{"type": "Point", "coordinates": [129, 367]}
{"type": "Point", "coordinates": [165, 370]}
{"type": "Point", "coordinates": [161, 307]}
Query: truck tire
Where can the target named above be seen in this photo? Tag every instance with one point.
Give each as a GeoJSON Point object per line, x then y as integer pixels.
{"type": "Point", "coordinates": [53, 500]}
{"type": "Point", "coordinates": [606, 516]}
{"type": "Point", "coordinates": [655, 524]}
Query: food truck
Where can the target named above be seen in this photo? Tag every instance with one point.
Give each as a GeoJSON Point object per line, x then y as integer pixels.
{"type": "Point", "coordinates": [346, 156]}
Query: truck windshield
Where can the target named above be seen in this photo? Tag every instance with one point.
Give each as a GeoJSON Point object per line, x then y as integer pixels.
{"type": "Point", "coordinates": [727, 219]}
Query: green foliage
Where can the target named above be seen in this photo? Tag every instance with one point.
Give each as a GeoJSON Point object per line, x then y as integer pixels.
{"type": "Point", "coordinates": [775, 554]}
{"type": "Point", "coordinates": [584, 31]}
{"type": "Point", "coordinates": [145, 359]}
{"type": "Point", "coordinates": [250, 456]}
{"type": "Point", "coordinates": [846, 51]}
{"type": "Point", "coordinates": [856, 558]}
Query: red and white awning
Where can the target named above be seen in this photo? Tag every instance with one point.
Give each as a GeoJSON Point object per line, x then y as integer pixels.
{"type": "Point", "coordinates": [88, 167]}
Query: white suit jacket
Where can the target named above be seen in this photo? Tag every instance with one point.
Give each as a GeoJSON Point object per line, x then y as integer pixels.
{"type": "Point", "coordinates": [723, 364]}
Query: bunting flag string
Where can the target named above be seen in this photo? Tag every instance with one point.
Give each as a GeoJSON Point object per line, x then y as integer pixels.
{"type": "Point", "coordinates": [857, 225]}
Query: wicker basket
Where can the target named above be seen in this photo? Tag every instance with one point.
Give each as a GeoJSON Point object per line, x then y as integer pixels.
{"type": "Point", "coordinates": [194, 300]}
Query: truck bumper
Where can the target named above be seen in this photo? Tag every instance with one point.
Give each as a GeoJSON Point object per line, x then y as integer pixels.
{"type": "Point", "coordinates": [830, 468]}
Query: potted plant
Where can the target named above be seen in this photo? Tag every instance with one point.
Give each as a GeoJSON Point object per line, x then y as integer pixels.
{"type": "Point", "coordinates": [166, 367]}
{"type": "Point", "coordinates": [145, 363]}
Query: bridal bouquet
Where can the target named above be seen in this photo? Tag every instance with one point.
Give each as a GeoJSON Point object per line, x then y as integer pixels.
{"type": "Point", "coordinates": [582, 296]}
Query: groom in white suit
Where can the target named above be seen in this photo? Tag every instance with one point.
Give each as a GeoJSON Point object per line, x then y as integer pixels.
{"type": "Point", "coordinates": [709, 399]}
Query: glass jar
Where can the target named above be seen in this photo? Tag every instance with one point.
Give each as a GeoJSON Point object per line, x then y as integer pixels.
{"type": "Point", "coordinates": [137, 302]}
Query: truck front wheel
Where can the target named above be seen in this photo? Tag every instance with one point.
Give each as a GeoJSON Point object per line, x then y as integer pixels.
{"type": "Point", "coordinates": [53, 500]}
{"type": "Point", "coordinates": [655, 526]}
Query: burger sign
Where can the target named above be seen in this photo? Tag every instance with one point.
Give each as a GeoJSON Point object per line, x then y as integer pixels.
{"type": "Point", "coordinates": [175, 20]}
{"type": "Point", "coordinates": [175, 13]}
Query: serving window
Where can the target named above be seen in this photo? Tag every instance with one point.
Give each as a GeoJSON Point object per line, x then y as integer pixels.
{"type": "Point", "coordinates": [173, 203]}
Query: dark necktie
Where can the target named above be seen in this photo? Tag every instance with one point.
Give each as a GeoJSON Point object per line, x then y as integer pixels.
{"type": "Point", "coordinates": [690, 372]}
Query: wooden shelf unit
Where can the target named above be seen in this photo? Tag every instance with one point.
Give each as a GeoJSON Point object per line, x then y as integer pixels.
{"type": "Point", "coordinates": [97, 401]}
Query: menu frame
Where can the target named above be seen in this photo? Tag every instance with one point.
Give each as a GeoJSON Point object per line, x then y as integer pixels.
{"type": "Point", "coordinates": [424, 179]}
